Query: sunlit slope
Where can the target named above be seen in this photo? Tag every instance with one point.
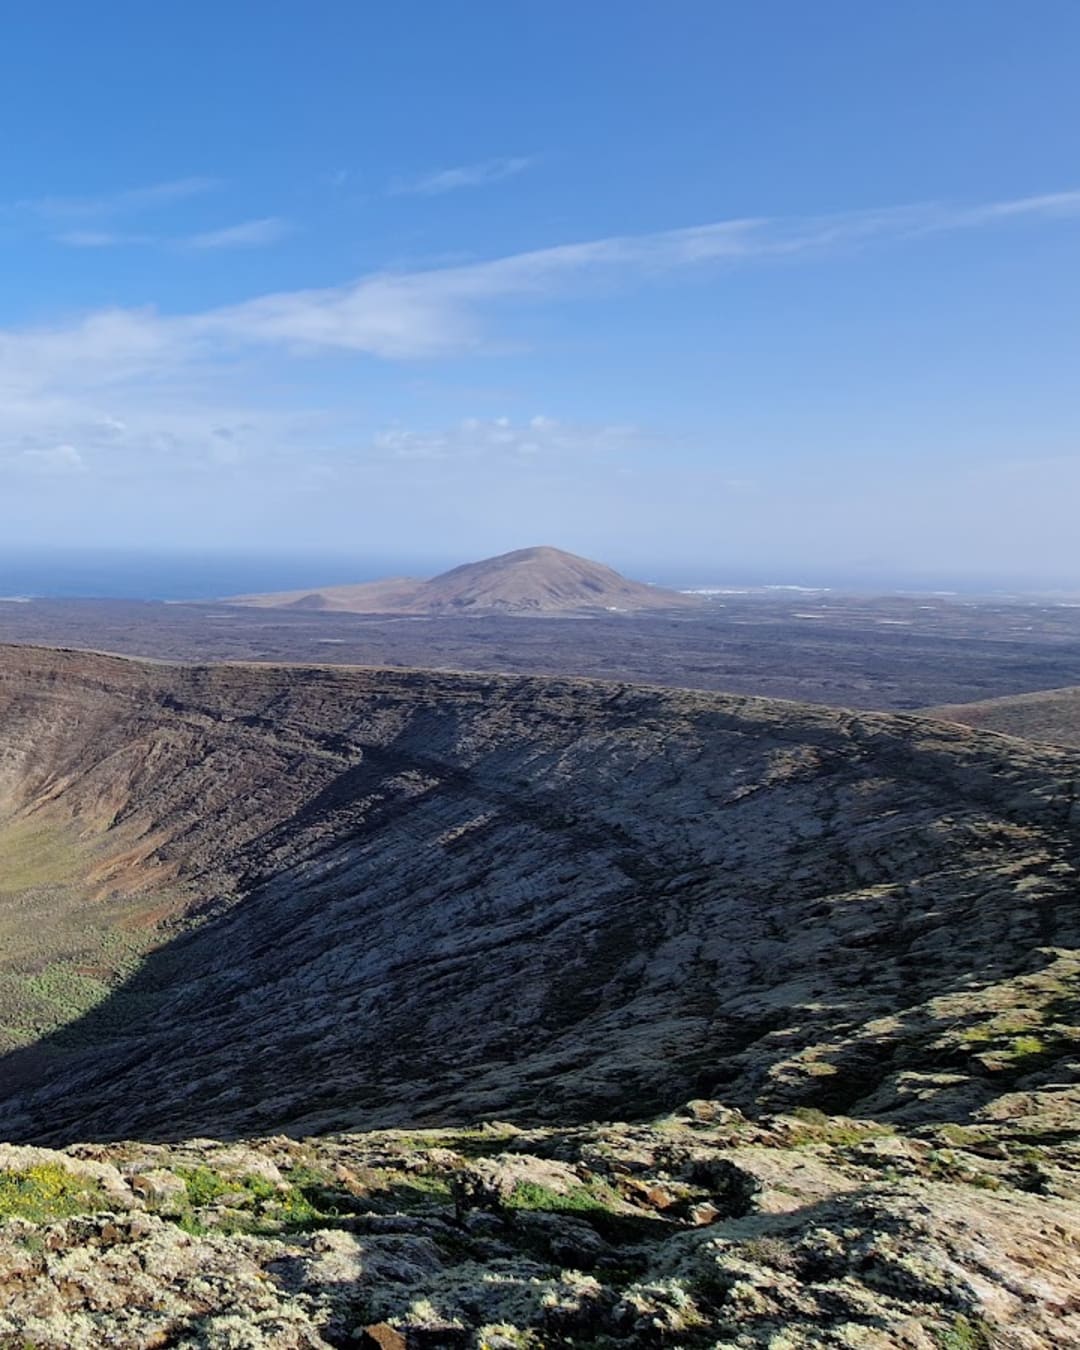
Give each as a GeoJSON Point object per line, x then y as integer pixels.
{"type": "Point", "coordinates": [526, 581]}
{"type": "Point", "coordinates": [1051, 715]}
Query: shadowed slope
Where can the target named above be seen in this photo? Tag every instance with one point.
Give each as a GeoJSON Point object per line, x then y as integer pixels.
{"type": "Point", "coordinates": [400, 897]}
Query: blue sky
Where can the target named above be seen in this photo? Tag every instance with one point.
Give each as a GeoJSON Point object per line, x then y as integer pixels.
{"type": "Point", "coordinates": [777, 288]}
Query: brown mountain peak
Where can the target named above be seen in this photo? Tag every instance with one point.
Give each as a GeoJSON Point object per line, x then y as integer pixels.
{"type": "Point", "coordinates": [536, 580]}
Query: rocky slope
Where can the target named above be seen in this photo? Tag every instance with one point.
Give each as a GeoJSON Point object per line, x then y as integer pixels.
{"type": "Point", "coordinates": [304, 901]}
{"type": "Point", "coordinates": [527, 581]}
{"type": "Point", "coordinates": [1051, 715]}
{"type": "Point", "coordinates": [436, 898]}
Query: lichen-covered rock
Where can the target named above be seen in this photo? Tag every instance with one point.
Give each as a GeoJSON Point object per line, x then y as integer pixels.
{"type": "Point", "coordinates": [161, 1190]}
{"type": "Point", "coordinates": [844, 1236]}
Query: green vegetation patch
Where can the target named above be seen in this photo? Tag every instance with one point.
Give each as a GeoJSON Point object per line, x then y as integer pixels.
{"type": "Point", "coordinates": [1017, 1055]}
{"type": "Point", "coordinates": [589, 1199]}
{"type": "Point", "coordinates": [965, 1334]}
{"type": "Point", "coordinates": [38, 853]}
{"type": "Point", "coordinates": [1038, 1028]}
{"type": "Point", "coordinates": [65, 949]}
{"type": "Point", "coordinates": [308, 1199]}
{"type": "Point", "coordinates": [207, 1187]}
{"type": "Point", "coordinates": [943, 1164]}
{"type": "Point", "coordinates": [46, 1192]}
{"type": "Point", "coordinates": [248, 1204]}
{"type": "Point", "coordinates": [815, 1127]}
{"type": "Point", "coordinates": [1028, 1047]}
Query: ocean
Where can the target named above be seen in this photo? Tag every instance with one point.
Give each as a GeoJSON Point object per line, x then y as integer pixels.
{"type": "Point", "coordinates": [85, 574]}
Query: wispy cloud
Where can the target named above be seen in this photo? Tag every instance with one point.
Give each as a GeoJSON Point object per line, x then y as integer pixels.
{"type": "Point", "coordinates": [505, 439]}
{"type": "Point", "coordinates": [101, 238]}
{"type": "Point", "coordinates": [464, 176]}
{"type": "Point", "coordinates": [248, 234]}
{"type": "Point", "coordinates": [434, 311]}
{"type": "Point", "coordinates": [127, 201]}
{"type": "Point", "coordinates": [98, 222]}
{"type": "Point", "coordinates": [54, 459]}
{"type": "Point", "coordinates": [210, 414]}
{"type": "Point", "coordinates": [446, 310]}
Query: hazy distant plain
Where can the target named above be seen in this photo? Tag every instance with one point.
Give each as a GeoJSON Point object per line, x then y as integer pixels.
{"type": "Point", "coordinates": [888, 652]}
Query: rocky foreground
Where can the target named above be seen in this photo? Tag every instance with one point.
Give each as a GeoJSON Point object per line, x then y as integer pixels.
{"type": "Point", "coordinates": [704, 1228]}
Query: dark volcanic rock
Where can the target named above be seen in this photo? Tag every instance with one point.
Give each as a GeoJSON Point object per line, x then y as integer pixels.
{"type": "Point", "coordinates": [330, 898]}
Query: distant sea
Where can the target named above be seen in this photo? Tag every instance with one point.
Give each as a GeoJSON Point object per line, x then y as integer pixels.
{"type": "Point", "coordinates": [120, 575]}
{"type": "Point", "coordinates": [195, 576]}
